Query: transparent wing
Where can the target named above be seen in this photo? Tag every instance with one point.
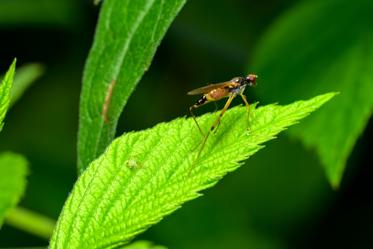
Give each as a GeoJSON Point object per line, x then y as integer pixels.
{"type": "Point", "coordinates": [209, 88]}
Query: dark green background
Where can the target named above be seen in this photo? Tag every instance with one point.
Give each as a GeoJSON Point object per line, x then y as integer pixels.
{"type": "Point", "coordinates": [279, 199]}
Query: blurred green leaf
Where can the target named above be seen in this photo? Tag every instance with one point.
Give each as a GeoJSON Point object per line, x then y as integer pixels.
{"type": "Point", "coordinates": [127, 35]}
{"type": "Point", "coordinates": [23, 79]}
{"type": "Point", "coordinates": [5, 89]}
{"type": "Point", "coordinates": [30, 222]}
{"type": "Point", "coordinates": [13, 170]}
{"type": "Point", "coordinates": [332, 50]}
{"type": "Point", "coordinates": [113, 201]}
{"type": "Point", "coordinates": [143, 245]}
{"type": "Point", "coordinates": [26, 12]}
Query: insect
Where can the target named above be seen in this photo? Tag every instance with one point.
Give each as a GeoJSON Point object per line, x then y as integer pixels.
{"type": "Point", "coordinates": [133, 164]}
{"type": "Point", "coordinates": [215, 92]}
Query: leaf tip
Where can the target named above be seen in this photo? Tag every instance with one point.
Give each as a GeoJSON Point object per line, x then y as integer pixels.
{"type": "Point", "coordinates": [334, 181]}
{"type": "Point", "coordinates": [13, 65]}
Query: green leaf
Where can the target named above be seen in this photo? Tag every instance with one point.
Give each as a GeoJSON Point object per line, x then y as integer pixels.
{"type": "Point", "coordinates": [143, 245]}
{"type": "Point", "coordinates": [127, 35]}
{"type": "Point", "coordinates": [13, 170]}
{"type": "Point", "coordinates": [25, 76]}
{"type": "Point", "coordinates": [145, 175]}
{"type": "Point", "coordinates": [331, 51]}
{"type": "Point", "coordinates": [5, 88]}
{"type": "Point", "coordinates": [31, 222]}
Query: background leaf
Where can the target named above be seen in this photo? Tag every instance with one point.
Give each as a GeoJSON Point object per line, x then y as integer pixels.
{"type": "Point", "coordinates": [36, 12]}
{"type": "Point", "coordinates": [5, 88]}
{"type": "Point", "coordinates": [146, 175]}
{"type": "Point", "coordinates": [13, 170]}
{"type": "Point", "coordinates": [127, 35]}
{"type": "Point", "coordinates": [304, 60]}
{"type": "Point", "coordinates": [26, 75]}
{"type": "Point", "coordinates": [143, 245]}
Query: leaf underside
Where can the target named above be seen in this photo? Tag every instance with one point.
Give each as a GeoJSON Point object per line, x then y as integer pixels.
{"type": "Point", "coordinates": [333, 57]}
{"type": "Point", "coordinates": [145, 175]}
{"type": "Point", "coordinates": [127, 35]}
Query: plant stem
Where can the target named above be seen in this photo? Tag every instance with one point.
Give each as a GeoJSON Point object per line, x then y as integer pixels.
{"type": "Point", "coordinates": [31, 222]}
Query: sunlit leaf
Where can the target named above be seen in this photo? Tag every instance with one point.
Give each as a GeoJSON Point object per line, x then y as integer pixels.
{"type": "Point", "coordinates": [145, 175]}
{"type": "Point", "coordinates": [5, 88]}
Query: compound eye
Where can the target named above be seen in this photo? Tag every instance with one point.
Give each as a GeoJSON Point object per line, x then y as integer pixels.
{"type": "Point", "coordinates": [251, 78]}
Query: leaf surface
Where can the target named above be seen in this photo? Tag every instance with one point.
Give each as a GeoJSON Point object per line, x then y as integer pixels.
{"type": "Point", "coordinates": [127, 35]}
{"type": "Point", "coordinates": [5, 88]}
{"type": "Point", "coordinates": [145, 175]}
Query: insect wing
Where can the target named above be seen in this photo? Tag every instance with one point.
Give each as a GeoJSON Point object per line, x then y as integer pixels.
{"type": "Point", "coordinates": [209, 88]}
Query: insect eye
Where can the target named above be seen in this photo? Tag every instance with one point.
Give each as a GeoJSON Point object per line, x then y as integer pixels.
{"type": "Point", "coordinates": [251, 78]}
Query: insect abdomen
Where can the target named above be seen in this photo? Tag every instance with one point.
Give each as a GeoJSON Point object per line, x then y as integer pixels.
{"type": "Point", "coordinates": [217, 94]}
{"type": "Point", "coordinates": [201, 101]}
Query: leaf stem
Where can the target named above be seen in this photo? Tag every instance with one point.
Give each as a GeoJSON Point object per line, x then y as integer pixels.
{"type": "Point", "coordinates": [30, 222]}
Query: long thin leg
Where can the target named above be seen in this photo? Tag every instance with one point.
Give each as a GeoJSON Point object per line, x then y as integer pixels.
{"type": "Point", "coordinates": [202, 101]}
{"type": "Point", "coordinates": [216, 122]}
{"type": "Point", "coordinates": [216, 106]}
{"type": "Point", "coordinates": [247, 107]}
{"type": "Point", "coordinates": [194, 118]}
{"type": "Point", "coordinates": [216, 128]}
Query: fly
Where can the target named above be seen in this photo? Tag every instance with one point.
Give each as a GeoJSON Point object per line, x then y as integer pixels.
{"type": "Point", "coordinates": [215, 92]}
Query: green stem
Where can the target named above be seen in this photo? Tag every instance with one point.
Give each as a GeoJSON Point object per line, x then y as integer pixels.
{"type": "Point", "coordinates": [31, 222]}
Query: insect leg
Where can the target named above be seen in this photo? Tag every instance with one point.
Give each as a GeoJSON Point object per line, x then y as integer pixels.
{"type": "Point", "coordinates": [225, 108]}
{"type": "Point", "coordinates": [247, 107]}
{"type": "Point", "coordinates": [216, 106]}
{"type": "Point", "coordinates": [199, 103]}
{"type": "Point", "coordinates": [216, 122]}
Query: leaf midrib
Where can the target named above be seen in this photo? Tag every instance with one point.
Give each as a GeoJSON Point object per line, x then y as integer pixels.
{"type": "Point", "coordinates": [123, 54]}
{"type": "Point", "coordinates": [125, 48]}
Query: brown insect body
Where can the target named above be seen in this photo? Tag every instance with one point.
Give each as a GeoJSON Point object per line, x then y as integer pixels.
{"type": "Point", "coordinates": [217, 94]}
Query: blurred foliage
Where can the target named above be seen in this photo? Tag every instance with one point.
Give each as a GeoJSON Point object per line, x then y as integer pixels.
{"type": "Point", "coordinates": [279, 199]}
{"type": "Point", "coordinates": [25, 76]}
{"type": "Point", "coordinates": [143, 245]}
{"type": "Point", "coordinates": [37, 12]}
{"type": "Point", "coordinates": [31, 222]}
{"type": "Point", "coordinates": [13, 170]}
{"type": "Point", "coordinates": [304, 60]}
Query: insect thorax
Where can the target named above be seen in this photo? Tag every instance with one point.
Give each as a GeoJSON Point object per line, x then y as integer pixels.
{"type": "Point", "coordinates": [237, 90]}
